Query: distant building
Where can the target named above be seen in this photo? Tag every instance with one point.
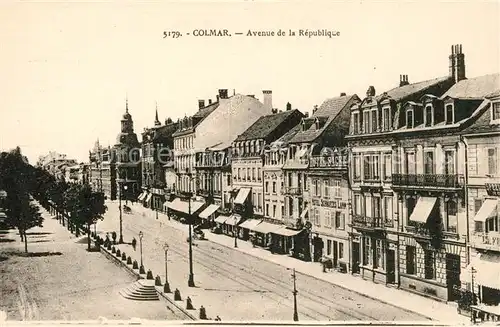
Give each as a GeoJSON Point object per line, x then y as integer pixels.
{"type": "Point", "coordinates": [101, 171]}
{"type": "Point", "coordinates": [128, 161]}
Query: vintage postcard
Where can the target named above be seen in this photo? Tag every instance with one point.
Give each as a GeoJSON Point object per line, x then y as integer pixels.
{"type": "Point", "coordinates": [278, 162]}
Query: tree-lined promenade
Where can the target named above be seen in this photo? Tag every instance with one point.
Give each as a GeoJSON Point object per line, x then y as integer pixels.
{"type": "Point", "coordinates": [76, 205]}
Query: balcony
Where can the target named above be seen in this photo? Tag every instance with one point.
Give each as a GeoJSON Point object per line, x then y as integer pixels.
{"type": "Point", "coordinates": [486, 241]}
{"type": "Point", "coordinates": [368, 224]}
{"type": "Point", "coordinates": [292, 190]}
{"type": "Point", "coordinates": [428, 180]}
{"type": "Point", "coordinates": [493, 189]}
{"type": "Point", "coordinates": [328, 162]}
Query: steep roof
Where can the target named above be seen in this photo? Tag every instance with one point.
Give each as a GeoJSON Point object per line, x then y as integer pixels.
{"type": "Point", "coordinates": [230, 118]}
{"type": "Point", "coordinates": [475, 88]}
{"type": "Point", "coordinates": [289, 135]}
{"type": "Point", "coordinates": [329, 108]}
{"type": "Point", "coordinates": [402, 92]}
{"type": "Point", "coordinates": [265, 125]}
{"type": "Point", "coordinates": [198, 117]}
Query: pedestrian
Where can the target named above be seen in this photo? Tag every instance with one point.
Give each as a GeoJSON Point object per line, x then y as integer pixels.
{"type": "Point", "coordinates": [134, 243]}
{"type": "Point", "coordinates": [217, 318]}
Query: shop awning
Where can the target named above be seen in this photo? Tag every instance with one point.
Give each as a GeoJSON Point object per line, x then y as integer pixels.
{"type": "Point", "coordinates": [265, 227]}
{"type": "Point", "coordinates": [304, 213]}
{"type": "Point", "coordinates": [488, 208]}
{"type": "Point", "coordinates": [221, 219]}
{"type": "Point", "coordinates": [183, 206]}
{"type": "Point", "coordinates": [250, 223]}
{"type": "Point", "coordinates": [242, 195]}
{"type": "Point", "coordinates": [486, 271]}
{"type": "Point", "coordinates": [423, 209]}
{"type": "Point", "coordinates": [233, 220]}
{"type": "Point", "coordinates": [142, 196]}
{"type": "Point", "coordinates": [148, 197]}
{"type": "Point", "coordinates": [208, 211]}
{"type": "Point", "coordinates": [286, 232]}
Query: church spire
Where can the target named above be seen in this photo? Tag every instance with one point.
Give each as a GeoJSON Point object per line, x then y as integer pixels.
{"type": "Point", "coordinates": [126, 103]}
{"type": "Point", "coordinates": [157, 121]}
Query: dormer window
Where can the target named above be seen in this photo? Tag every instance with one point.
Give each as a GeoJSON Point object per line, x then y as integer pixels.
{"type": "Point", "coordinates": [495, 112]}
{"type": "Point", "coordinates": [304, 125]}
{"type": "Point", "coordinates": [374, 127]}
{"type": "Point", "coordinates": [449, 114]}
{"type": "Point", "coordinates": [409, 118]}
{"type": "Point", "coordinates": [355, 123]}
{"type": "Point", "coordinates": [316, 123]}
{"type": "Point", "coordinates": [386, 115]}
{"type": "Point", "coordinates": [429, 117]}
{"type": "Point", "coordinates": [252, 147]}
{"type": "Point", "coordinates": [366, 121]}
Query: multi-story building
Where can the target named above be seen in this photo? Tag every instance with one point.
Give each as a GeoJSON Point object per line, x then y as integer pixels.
{"type": "Point", "coordinates": [482, 138]}
{"type": "Point", "coordinates": [247, 163]}
{"type": "Point", "coordinates": [409, 221]}
{"type": "Point", "coordinates": [157, 157]}
{"type": "Point", "coordinates": [102, 176]}
{"type": "Point", "coordinates": [128, 162]}
{"type": "Point", "coordinates": [325, 128]}
{"type": "Point", "coordinates": [275, 155]}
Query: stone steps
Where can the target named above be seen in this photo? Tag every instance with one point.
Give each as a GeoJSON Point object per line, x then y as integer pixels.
{"type": "Point", "coordinates": [142, 290]}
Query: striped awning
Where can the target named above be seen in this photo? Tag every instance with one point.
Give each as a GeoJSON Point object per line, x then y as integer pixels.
{"type": "Point", "coordinates": [142, 196]}
{"type": "Point", "coordinates": [221, 219]}
{"type": "Point", "coordinates": [250, 223]}
{"type": "Point", "coordinates": [265, 227]}
{"type": "Point", "coordinates": [148, 197]}
{"type": "Point", "coordinates": [208, 211]}
{"type": "Point", "coordinates": [233, 220]}
{"type": "Point", "coordinates": [242, 195]}
{"type": "Point", "coordinates": [184, 206]}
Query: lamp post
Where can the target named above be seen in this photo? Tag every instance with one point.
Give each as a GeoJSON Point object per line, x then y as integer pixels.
{"type": "Point", "coordinates": [235, 231]}
{"type": "Point", "coordinates": [191, 274]}
{"type": "Point", "coordinates": [141, 235]}
{"type": "Point", "coordinates": [472, 272]}
{"type": "Point", "coordinates": [295, 312]}
{"type": "Point", "coordinates": [166, 287]}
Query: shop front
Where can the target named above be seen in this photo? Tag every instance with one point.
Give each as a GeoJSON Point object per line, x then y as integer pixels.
{"type": "Point", "coordinates": [208, 216]}
{"type": "Point", "coordinates": [264, 235]}
{"type": "Point", "coordinates": [246, 228]}
{"type": "Point", "coordinates": [185, 211]}
{"type": "Point", "coordinates": [285, 239]}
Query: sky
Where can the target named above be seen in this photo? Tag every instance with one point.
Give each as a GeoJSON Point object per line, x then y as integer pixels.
{"type": "Point", "coordinates": [67, 68]}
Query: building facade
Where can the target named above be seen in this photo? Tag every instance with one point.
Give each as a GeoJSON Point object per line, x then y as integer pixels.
{"type": "Point", "coordinates": [128, 162]}
{"type": "Point", "coordinates": [102, 175]}
{"type": "Point", "coordinates": [157, 157]}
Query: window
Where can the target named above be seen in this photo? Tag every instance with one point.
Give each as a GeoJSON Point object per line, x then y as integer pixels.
{"type": "Point", "coordinates": [258, 174]}
{"type": "Point", "coordinates": [328, 218]}
{"type": "Point", "coordinates": [274, 187]}
{"type": "Point", "coordinates": [357, 167]}
{"type": "Point", "coordinates": [409, 118]}
{"type": "Point", "coordinates": [428, 116]}
{"type": "Point", "coordinates": [411, 259]}
{"type": "Point", "coordinates": [449, 168]}
{"type": "Point", "coordinates": [495, 114]}
{"type": "Point", "coordinates": [388, 210]}
{"type": "Point", "coordinates": [375, 167]}
{"type": "Point", "coordinates": [410, 205]}
{"type": "Point", "coordinates": [282, 211]}
{"type": "Point", "coordinates": [328, 247]}
{"type": "Point", "coordinates": [387, 118]}
{"type": "Point", "coordinates": [449, 114]}
{"type": "Point", "coordinates": [337, 192]}
{"type": "Point", "coordinates": [366, 122]}
{"type": "Point", "coordinates": [274, 210]}
{"type": "Point", "coordinates": [253, 174]}
{"type": "Point", "coordinates": [374, 126]}
{"type": "Point", "coordinates": [239, 173]}
{"type": "Point", "coordinates": [478, 203]}
{"type": "Point", "coordinates": [341, 250]}
{"type": "Point", "coordinates": [355, 123]}
{"type": "Point", "coordinates": [492, 161]}
{"type": "Point", "coordinates": [326, 193]}
{"type": "Point", "coordinates": [430, 264]}
{"type": "Point", "coordinates": [379, 256]}
{"type": "Point", "coordinates": [387, 166]}
{"type": "Point", "coordinates": [376, 207]}
{"type": "Point", "coordinates": [366, 251]}
{"type": "Point", "coordinates": [267, 209]}
{"type": "Point", "coordinates": [357, 204]}
{"type": "Point", "coordinates": [410, 163]}
{"type": "Point", "coordinates": [451, 216]}
{"type": "Point", "coordinates": [267, 187]}
{"type": "Point", "coordinates": [339, 220]}
{"type": "Point", "coordinates": [366, 167]}
{"type": "Point", "coordinates": [316, 217]}
{"type": "Point", "coordinates": [429, 163]}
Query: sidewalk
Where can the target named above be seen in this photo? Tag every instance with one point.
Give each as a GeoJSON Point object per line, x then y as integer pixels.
{"type": "Point", "coordinates": [435, 310]}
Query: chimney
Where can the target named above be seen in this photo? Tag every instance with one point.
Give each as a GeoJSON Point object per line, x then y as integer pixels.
{"type": "Point", "coordinates": [209, 101]}
{"type": "Point", "coordinates": [315, 108]}
{"type": "Point", "coordinates": [274, 111]}
{"type": "Point", "coordinates": [268, 99]}
{"type": "Point", "coordinates": [371, 91]}
{"type": "Point", "coordinates": [201, 104]}
{"type": "Point", "coordinates": [223, 93]}
{"type": "Point", "coordinates": [217, 97]}
{"type": "Point", "coordinates": [343, 94]}
{"type": "Point", "coordinates": [251, 95]}
{"type": "Point", "coordinates": [306, 114]}
{"type": "Point", "coordinates": [457, 63]}
{"type": "Point", "coordinates": [403, 80]}
{"type": "Point", "coordinates": [288, 106]}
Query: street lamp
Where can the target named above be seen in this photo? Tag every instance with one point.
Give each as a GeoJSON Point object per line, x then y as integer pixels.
{"type": "Point", "coordinates": [166, 287]}
{"type": "Point", "coordinates": [141, 235]}
{"type": "Point", "coordinates": [235, 231]}
{"type": "Point", "coordinates": [294, 292]}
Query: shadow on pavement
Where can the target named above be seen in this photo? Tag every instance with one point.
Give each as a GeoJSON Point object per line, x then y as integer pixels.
{"type": "Point", "coordinates": [38, 241]}
{"type": "Point", "coordinates": [37, 233]}
{"type": "Point", "coordinates": [6, 240]}
{"type": "Point", "coordinates": [31, 254]}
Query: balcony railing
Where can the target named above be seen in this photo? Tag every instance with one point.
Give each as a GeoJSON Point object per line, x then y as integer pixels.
{"type": "Point", "coordinates": [430, 180]}
{"type": "Point", "coordinates": [292, 190]}
{"type": "Point", "coordinates": [493, 189]}
{"type": "Point", "coordinates": [328, 162]}
{"type": "Point", "coordinates": [487, 241]}
{"type": "Point", "coordinates": [368, 222]}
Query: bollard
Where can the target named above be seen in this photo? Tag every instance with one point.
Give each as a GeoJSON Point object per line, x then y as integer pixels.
{"type": "Point", "coordinates": [129, 260]}
{"type": "Point", "coordinates": [166, 288]}
{"type": "Point", "coordinates": [157, 281]}
{"type": "Point", "coordinates": [118, 253]}
{"type": "Point", "coordinates": [177, 295]}
{"type": "Point", "coordinates": [149, 275]}
{"type": "Point", "coordinates": [124, 256]}
{"type": "Point", "coordinates": [135, 265]}
{"type": "Point", "coordinates": [113, 250]}
{"type": "Point", "coordinates": [141, 270]}
{"type": "Point", "coordinates": [203, 313]}
{"type": "Point", "coordinates": [189, 304]}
